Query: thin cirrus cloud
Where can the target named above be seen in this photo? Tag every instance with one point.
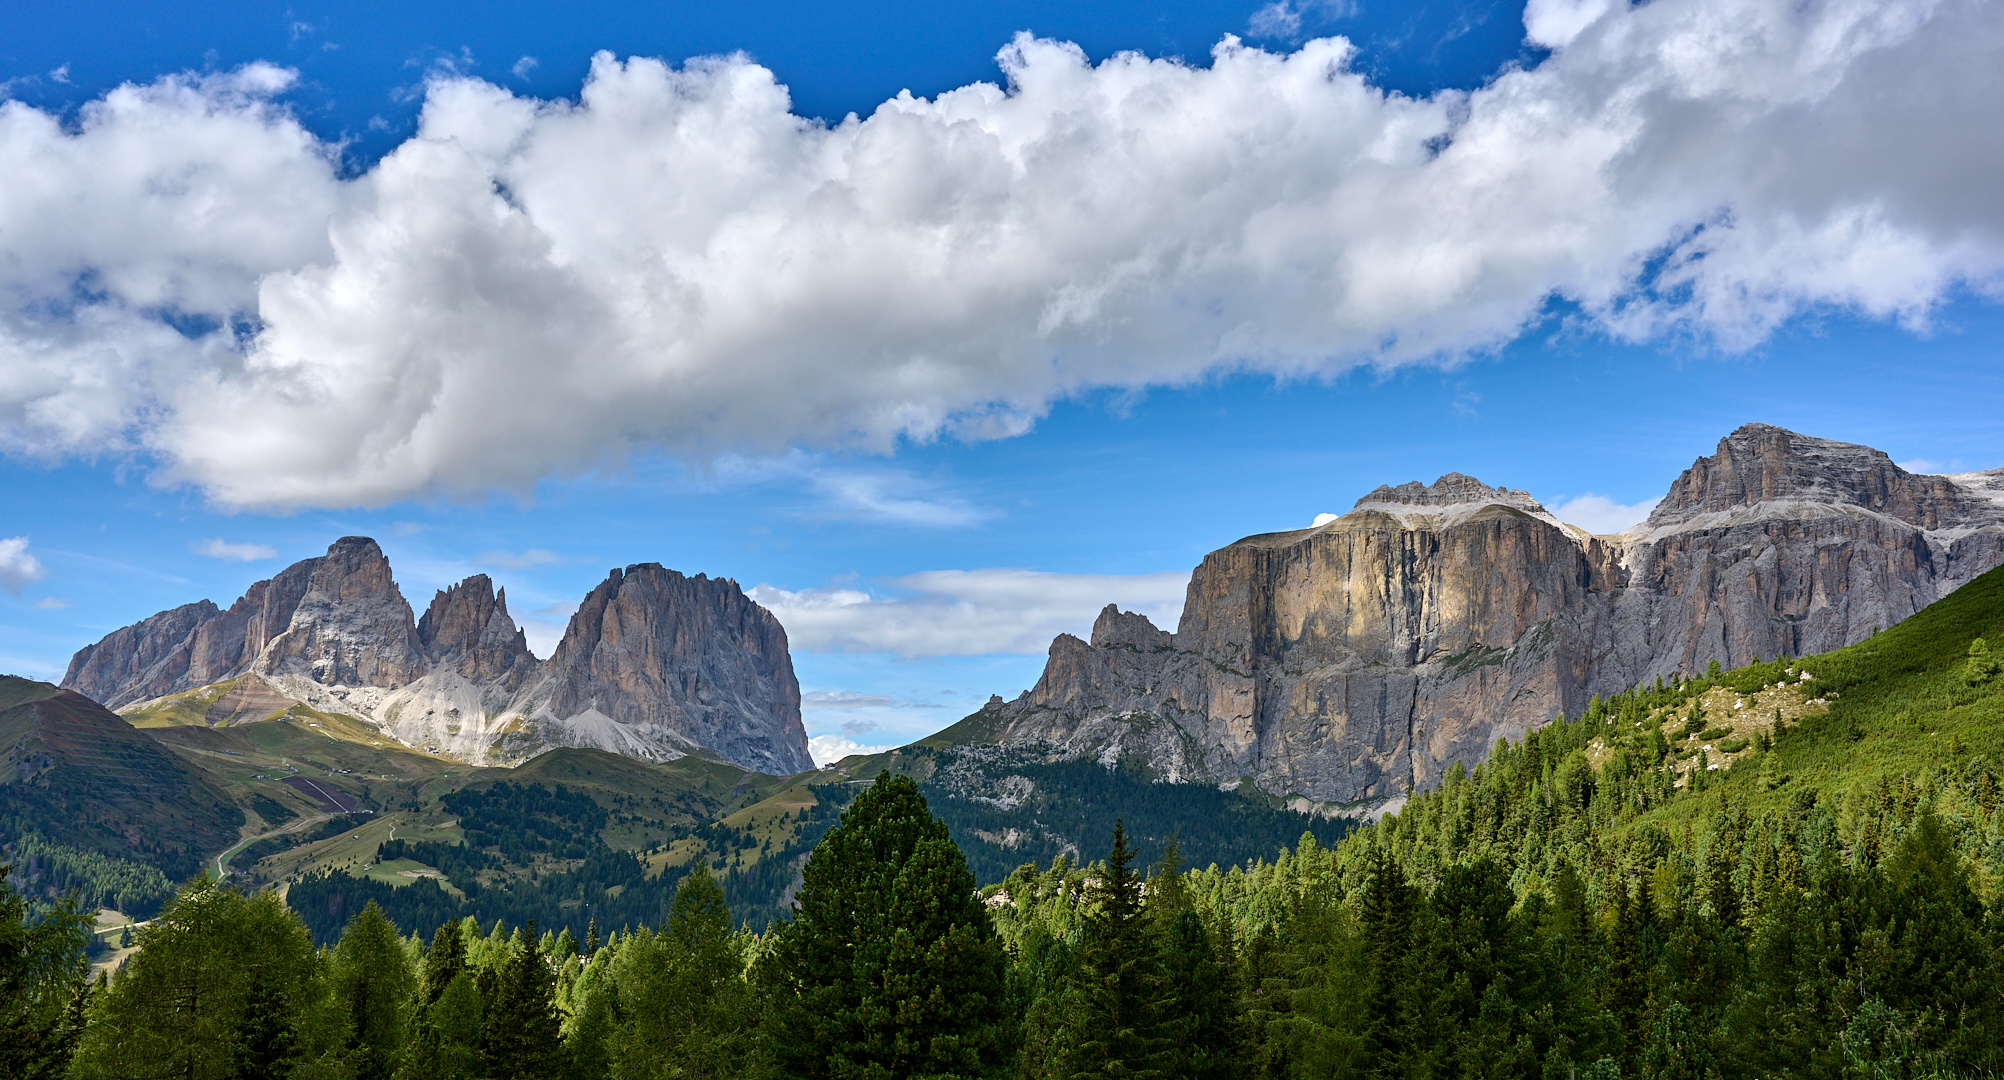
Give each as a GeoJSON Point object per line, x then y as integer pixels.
{"type": "Point", "coordinates": [966, 612]}
{"type": "Point", "coordinates": [675, 262]}
{"type": "Point", "coordinates": [221, 549]}
{"type": "Point", "coordinates": [18, 566]}
{"type": "Point", "coordinates": [523, 560]}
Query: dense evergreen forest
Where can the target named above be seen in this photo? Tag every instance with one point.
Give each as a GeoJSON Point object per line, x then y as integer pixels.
{"type": "Point", "coordinates": [576, 879]}
{"type": "Point", "coordinates": [1596, 900]}
{"type": "Point", "coordinates": [1083, 799]}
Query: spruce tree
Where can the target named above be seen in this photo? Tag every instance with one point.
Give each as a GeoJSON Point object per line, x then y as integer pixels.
{"type": "Point", "coordinates": [446, 1027]}
{"type": "Point", "coordinates": [1203, 1015]}
{"type": "Point", "coordinates": [523, 1039]}
{"type": "Point", "coordinates": [1391, 911]}
{"type": "Point", "coordinates": [889, 967]}
{"type": "Point", "coordinates": [1116, 1024]}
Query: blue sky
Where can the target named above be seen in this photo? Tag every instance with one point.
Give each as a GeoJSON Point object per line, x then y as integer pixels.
{"type": "Point", "coordinates": [934, 415]}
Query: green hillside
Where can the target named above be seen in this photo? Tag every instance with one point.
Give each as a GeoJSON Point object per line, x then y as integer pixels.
{"type": "Point", "coordinates": [88, 803]}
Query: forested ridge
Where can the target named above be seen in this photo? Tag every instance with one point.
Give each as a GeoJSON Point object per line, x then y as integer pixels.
{"type": "Point", "coordinates": [1596, 900]}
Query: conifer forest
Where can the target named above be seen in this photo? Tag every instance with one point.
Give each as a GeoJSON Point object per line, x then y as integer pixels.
{"type": "Point", "coordinates": [1593, 901]}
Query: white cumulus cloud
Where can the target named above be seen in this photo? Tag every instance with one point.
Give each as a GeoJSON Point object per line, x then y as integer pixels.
{"type": "Point", "coordinates": [1600, 514]}
{"type": "Point", "coordinates": [967, 612]}
{"type": "Point", "coordinates": [218, 549]}
{"type": "Point", "coordinates": [676, 262]}
{"type": "Point", "coordinates": [18, 568]}
{"type": "Point", "coordinates": [828, 749]}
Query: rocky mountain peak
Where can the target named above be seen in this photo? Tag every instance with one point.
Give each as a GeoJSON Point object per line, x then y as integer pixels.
{"type": "Point", "coordinates": [1454, 489]}
{"type": "Point", "coordinates": [467, 628]}
{"type": "Point", "coordinates": [1762, 463]}
{"type": "Point", "coordinates": [352, 626]}
{"type": "Point", "coordinates": [690, 656]}
{"type": "Point", "coordinates": [1133, 629]}
{"type": "Point", "coordinates": [1356, 661]}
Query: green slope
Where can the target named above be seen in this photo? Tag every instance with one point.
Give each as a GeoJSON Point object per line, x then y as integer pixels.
{"type": "Point", "coordinates": [91, 798]}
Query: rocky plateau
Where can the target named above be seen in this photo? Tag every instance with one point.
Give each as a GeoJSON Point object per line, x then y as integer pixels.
{"type": "Point", "coordinates": [1349, 664]}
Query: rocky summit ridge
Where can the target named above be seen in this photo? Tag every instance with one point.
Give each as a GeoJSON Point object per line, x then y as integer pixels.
{"type": "Point", "coordinates": [653, 665]}
{"type": "Point", "coordinates": [1354, 662]}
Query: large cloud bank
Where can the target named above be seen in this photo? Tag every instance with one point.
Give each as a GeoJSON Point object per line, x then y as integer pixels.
{"type": "Point", "coordinates": [674, 261]}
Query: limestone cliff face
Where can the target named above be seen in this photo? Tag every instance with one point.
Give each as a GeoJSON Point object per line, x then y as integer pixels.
{"type": "Point", "coordinates": [1354, 662]}
{"type": "Point", "coordinates": [659, 657]}
{"type": "Point", "coordinates": [654, 666]}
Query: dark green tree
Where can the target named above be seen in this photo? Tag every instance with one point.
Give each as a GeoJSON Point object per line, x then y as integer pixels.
{"type": "Point", "coordinates": [523, 1037]}
{"type": "Point", "coordinates": [1390, 922]}
{"type": "Point", "coordinates": [42, 974]}
{"type": "Point", "coordinates": [221, 982]}
{"type": "Point", "coordinates": [1118, 1022]}
{"type": "Point", "coordinates": [890, 967]}
{"type": "Point", "coordinates": [1203, 1014]}
{"type": "Point", "coordinates": [446, 1023]}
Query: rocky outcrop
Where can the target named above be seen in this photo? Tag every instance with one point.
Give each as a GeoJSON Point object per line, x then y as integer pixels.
{"type": "Point", "coordinates": [467, 630]}
{"type": "Point", "coordinates": [1355, 661]}
{"type": "Point", "coordinates": [655, 665]}
{"type": "Point", "coordinates": [656, 656]}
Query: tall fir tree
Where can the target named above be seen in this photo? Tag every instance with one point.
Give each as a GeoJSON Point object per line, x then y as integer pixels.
{"type": "Point", "coordinates": [1117, 1021]}
{"type": "Point", "coordinates": [1203, 1013]}
{"type": "Point", "coordinates": [523, 1036]}
{"type": "Point", "coordinates": [890, 967]}
{"type": "Point", "coordinates": [1390, 920]}
{"type": "Point", "coordinates": [446, 1025]}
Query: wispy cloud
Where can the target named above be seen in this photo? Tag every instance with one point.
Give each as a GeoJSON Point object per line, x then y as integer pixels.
{"type": "Point", "coordinates": [966, 612]}
{"type": "Point", "coordinates": [18, 567]}
{"type": "Point", "coordinates": [1283, 20]}
{"type": "Point", "coordinates": [523, 67]}
{"type": "Point", "coordinates": [1601, 515]}
{"type": "Point", "coordinates": [894, 497]}
{"type": "Point", "coordinates": [526, 560]}
{"type": "Point", "coordinates": [219, 549]}
{"type": "Point", "coordinates": [850, 699]}
{"type": "Point", "coordinates": [53, 602]}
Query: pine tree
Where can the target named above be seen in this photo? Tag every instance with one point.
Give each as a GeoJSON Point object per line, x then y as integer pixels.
{"type": "Point", "coordinates": [446, 1028]}
{"type": "Point", "coordinates": [1117, 1024]}
{"type": "Point", "coordinates": [1203, 1015]}
{"type": "Point", "coordinates": [890, 966]}
{"type": "Point", "coordinates": [523, 1039]}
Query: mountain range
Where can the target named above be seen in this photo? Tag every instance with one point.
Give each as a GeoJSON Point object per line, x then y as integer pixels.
{"type": "Point", "coordinates": [653, 665]}
{"type": "Point", "coordinates": [1341, 666]}
{"type": "Point", "coordinates": [1349, 664]}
